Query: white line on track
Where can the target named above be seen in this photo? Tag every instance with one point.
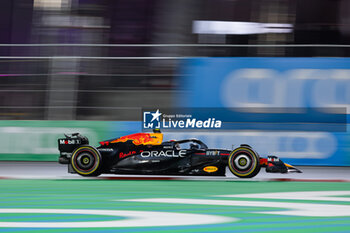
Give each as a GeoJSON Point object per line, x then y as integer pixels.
{"type": "Point", "coordinates": [310, 196]}
{"type": "Point", "coordinates": [293, 209]}
{"type": "Point", "coordinates": [135, 219]}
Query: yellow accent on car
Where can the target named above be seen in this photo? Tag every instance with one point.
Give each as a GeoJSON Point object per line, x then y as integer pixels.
{"type": "Point", "coordinates": [210, 169]}
{"type": "Point", "coordinates": [157, 139]}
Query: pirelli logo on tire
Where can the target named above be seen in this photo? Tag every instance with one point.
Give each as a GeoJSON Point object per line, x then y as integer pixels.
{"type": "Point", "coordinates": [210, 169]}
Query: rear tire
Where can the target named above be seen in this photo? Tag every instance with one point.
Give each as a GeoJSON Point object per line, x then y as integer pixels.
{"type": "Point", "coordinates": [244, 162]}
{"type": "Point", "coordinates": [86, 161]}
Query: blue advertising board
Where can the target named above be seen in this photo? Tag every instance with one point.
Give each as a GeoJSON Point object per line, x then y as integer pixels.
{"type": "Point", "coordinates": [261, 84]}
{"type": "Point", "coordinates": [265, 82]}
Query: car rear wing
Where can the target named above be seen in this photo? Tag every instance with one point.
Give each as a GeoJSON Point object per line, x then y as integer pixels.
{"type": "Point", "coordinates": [71, 141]}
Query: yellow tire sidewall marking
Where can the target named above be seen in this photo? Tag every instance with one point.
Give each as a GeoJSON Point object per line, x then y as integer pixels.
{"type": "Point", "coordinates": [233, 170]}
{"type": "Point", "coordinates": [97, 158]}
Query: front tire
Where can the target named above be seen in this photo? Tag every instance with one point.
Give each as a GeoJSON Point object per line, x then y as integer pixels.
{"type": "Point", "coordinates": [86, 161]}
{"type": "Point", "coordinates": [244, 162]}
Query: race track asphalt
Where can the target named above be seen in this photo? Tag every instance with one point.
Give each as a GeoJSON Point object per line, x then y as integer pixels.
{"type": "Point", "coordinates": [43, 197]}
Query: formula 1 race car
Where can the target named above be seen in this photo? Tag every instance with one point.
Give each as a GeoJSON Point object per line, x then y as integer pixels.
{"type": "Point", "coordinates": [146, 154]}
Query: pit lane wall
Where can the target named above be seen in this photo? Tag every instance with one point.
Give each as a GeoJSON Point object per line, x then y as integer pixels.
{"type": "Point", "coordinates": [37, 141]}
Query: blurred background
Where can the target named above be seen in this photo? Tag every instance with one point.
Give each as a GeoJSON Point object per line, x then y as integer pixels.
{"type": "Point", "coordinates": [90, 65]}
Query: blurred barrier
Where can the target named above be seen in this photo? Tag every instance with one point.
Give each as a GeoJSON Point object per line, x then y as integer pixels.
{"type": "Point", "coordinates": [72, 81]}
{"type": "Point", "coordinates": [256, 84]}
{"type": "Point", "coordinates": [266, 82]}
{"type": "Point", "coordinates": [37, 140]}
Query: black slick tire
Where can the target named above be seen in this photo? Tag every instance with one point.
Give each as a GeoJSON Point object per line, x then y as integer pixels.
{"type": "Point", "coordinates": [86, 161]}
{"type": "Point", "coordinates": [243, 162]}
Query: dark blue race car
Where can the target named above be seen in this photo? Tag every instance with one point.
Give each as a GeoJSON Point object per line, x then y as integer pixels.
{"type": "Point", "coordinates": [147, 154]}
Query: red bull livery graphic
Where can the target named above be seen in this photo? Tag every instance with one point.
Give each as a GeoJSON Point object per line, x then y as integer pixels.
{"type": "Point", "coordinates": [138, 139]}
